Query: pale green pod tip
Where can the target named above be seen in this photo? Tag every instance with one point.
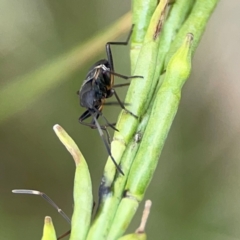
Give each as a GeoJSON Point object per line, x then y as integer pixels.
{"type": "Point", "coordinates": [48, 229]}
{"type": "Point", "coordinates": [180, 63]}
{"type": "Point", "coordinates": [68, 142]}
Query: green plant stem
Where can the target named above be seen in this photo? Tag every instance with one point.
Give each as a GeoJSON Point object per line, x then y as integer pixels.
{"type": "Point", "coordinates": [138, 91]}
{"type": "Point", "coordinates": [141, 176]}
{"type": "Point", "coordinates": [142, 13]}
{"type": "Point", "coordinates": [24, 91]}
{"type": "Point", "coordinates": [140, 231]}
{"type": "Point", "coordinates": [107, 208]}
{"type": "Point", "coordinates": [163, 111]}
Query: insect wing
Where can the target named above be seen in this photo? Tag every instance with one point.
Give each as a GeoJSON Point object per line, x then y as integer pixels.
{"type": "Point", "coordinates": [86, 94]}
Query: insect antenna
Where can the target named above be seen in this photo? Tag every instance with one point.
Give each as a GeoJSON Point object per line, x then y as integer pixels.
{"type": "Point", "coordinates": [64, 235]}
{"type": "Point", "coordinates": [46, 197]}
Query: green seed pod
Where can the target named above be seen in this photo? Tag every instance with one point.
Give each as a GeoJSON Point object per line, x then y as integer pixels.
{"type": "Point", "coordinates": [163, 112]}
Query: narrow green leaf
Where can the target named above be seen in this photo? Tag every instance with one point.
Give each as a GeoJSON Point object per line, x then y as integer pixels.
{"type": "Point", "coordinates": [82, 193]}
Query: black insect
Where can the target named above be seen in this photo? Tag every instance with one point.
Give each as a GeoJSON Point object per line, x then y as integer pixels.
{"type": "Point", "coordinates": [98, 86]}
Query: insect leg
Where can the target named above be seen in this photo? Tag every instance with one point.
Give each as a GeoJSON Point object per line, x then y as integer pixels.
{"type": "Point", "coordinates": [108, 123]}
{"type": "Point", "coordinates": [87, 114]}
{"type": "Point", "coordinates": [106, 144]}
{"type": "Point", "coordinates": [103, 128]}
{"type": "Point", "coordinates": [121, 76]}
{"type": "Point", "coordinates": [64, 235]}
{"type": "Point", "coordinates": [108, 136]}
{"type": "Point", "coordinates": [108, 48]}
{"type": "Point", "coordinates": [92, 125]}
{"type": "Point", "coordinates": [120, 85]}
{"type": "Point", "coordinates": [122, 105]}
{"type": "Point", "coordinates": [115, 104]}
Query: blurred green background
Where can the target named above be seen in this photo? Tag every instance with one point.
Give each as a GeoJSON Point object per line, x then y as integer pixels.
{"type": "Point", "coordinates": [196, 188]}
